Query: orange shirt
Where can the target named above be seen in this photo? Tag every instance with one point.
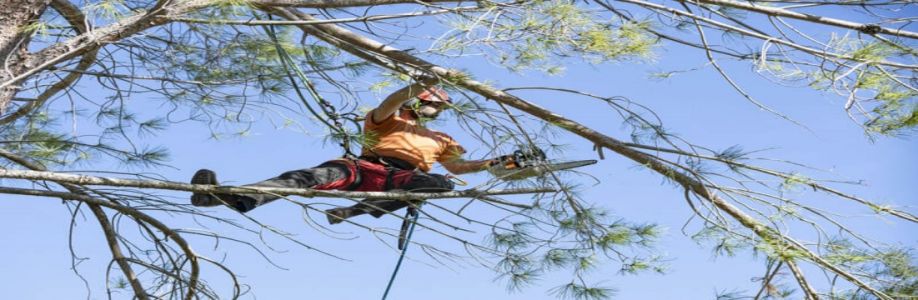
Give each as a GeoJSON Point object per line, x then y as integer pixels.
{"type": "Point", "coordinates": [401, 137]}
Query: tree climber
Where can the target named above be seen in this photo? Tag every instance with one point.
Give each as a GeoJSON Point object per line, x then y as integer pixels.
{"type": "Point", "coordinates": [402, 152]}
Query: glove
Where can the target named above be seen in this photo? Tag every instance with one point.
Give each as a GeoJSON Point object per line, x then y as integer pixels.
{"type": "Point", "coordinates": [528, 156]}
{"type": "Point", "coordinates": [508, 161]}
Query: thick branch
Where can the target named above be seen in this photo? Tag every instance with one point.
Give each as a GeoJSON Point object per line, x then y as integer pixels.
{"type": "Point", "coordinates": [801, 280]}
{"type": "Point", "coordinates": [779, 12]}
{"type": "Point", "coordinates": [111, 237]}
{"type": "Point", "coordinates": [329, 21]}
{"type": "Point", "coordinates": [198, 188]}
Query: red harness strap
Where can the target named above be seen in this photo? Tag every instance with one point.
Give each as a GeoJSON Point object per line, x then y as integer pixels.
{"type": "Point", "coordinates": [372, 176]}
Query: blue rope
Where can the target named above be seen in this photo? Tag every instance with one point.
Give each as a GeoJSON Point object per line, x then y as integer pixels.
{"type": "Point", "coordinates": [401, 257]}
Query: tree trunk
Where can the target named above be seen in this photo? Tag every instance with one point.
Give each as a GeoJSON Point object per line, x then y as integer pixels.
{"type": "Point", "coordinates": [15, 15]}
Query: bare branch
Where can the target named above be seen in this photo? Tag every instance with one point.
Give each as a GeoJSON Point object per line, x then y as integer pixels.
{"type": "Point", "coordinates": [778, 12]}
{"type": "Point", "coordinates": [197, 188]}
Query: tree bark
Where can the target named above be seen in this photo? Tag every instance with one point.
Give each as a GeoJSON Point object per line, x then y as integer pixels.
{"type": "Point", "coordinates": [15, 15]}
{"type": "Point", "coordinates": [77, 20]}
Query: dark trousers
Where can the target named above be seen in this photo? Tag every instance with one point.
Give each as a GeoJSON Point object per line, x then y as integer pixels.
{"type": "Point", "coordinates": [350, 175]}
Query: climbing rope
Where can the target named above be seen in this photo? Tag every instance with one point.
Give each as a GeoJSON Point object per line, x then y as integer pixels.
{"type": "Point", "coordinates": [327, 108]}
{"type": "Point", "coordinates": [412, 218]}
{"type": "Point", "coordinates": [331, 112]}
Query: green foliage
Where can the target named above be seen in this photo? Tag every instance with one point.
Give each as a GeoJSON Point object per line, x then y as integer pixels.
{"type": "Point", "coordinates": [722, 242]}
{"type": "Point", "coordinates": [893, 270]}
{"type": "Point", "coordinates": [231, 60]}
{"type": "Point", "coordinates": [872, 52]}
{"type": "Point", "coordinates": [879, 96]}
{"type": "Point", "coordinates": [106, 9]}
{"type": "Point", "coordinates": [546, 31]}
{"type": "Point", "coordinates": [151, 126]}
{"type": "Point", "coordinates": [578, 291]}
{"type": "Point", "coordinates": [585, 242]}
{"type": "Point", "coordinates": [33, 139]}
{"type": "Point", "coordinates": [45, 146]}
{"type": "Point", "coordinates": [120, 283]}
{"type": "Point", "coordinates": [624, 234]}
{"type": "Point", "coordinates": [778, 249]}
{"type": "Point", "coordinates": [897, 111]}
{"type": "Point", "coordinates": [36, 28]}
{"type": "Point", "coordinates": [39, 137]}
{"type": "Point", "coordinates": [556, 258]}
{"type": "Point", "coordinates": [519, 270]}
{"type": "Point", "coordinates": [795, 182]}
{"type": "Point", "coordinates": [227, 8]}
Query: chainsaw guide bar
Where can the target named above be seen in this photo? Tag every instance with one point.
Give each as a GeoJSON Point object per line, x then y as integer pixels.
{"type": "Point", "coordinates": [501, 171]}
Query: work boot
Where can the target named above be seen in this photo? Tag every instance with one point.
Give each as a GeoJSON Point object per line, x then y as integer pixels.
{"type": "Point", "coordinates": [204, 176]}
{"type": "Point", "coordinates": [240, 203]}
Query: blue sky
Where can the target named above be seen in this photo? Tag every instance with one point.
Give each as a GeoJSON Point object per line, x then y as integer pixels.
{"type": "Point", "coordinates": [697, 105]}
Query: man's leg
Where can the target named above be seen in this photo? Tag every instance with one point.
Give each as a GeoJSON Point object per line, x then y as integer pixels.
{"type": "Point", "coordinates": [205, 176]}
{"type": "Point", "coordinates": [418, 182]}
{"type": "Point", "coordinates": [332, 173]}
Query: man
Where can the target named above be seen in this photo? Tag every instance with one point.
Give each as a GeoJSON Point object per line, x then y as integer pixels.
{"type": "Point", "coordinates": [402, 153]}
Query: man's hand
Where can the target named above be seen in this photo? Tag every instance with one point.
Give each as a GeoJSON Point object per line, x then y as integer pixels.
{"type": "Point", "coordinates": [503, 159]}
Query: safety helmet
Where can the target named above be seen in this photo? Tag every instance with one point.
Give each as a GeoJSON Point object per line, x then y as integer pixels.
{"type": "Point", "coordinates": [434, 94]}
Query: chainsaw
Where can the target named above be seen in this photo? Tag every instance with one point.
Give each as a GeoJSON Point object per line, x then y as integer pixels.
{"type": "Point", "coordinates": [531, 162]}
{"type": "Point", "coordinates": [523, 163]}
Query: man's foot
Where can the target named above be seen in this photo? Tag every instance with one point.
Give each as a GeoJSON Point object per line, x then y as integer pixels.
{"type": "Point", "coordinates": [204, 176]}
{"type": "Point", "coordinates": [337, 215]}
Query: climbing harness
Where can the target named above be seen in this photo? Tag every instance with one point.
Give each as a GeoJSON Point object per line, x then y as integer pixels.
{"type": "Point", "coordinates": [411, 218]}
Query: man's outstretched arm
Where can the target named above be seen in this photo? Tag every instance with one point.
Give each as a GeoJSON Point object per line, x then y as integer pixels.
{"type": "Point", "coordinates": [458, 165]}
{"type": "Point", "coordinates": [399, 97]}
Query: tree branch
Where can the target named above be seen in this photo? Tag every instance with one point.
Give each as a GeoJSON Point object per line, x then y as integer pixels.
{"type": "Point", "coordinates": [199, 188]}
{"type": "Point", "coordinates": [329, 21]}
{"type": "Point", "coordinates": [778, 12]}
{"type": "Point", "coordinates": [801, 280]}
